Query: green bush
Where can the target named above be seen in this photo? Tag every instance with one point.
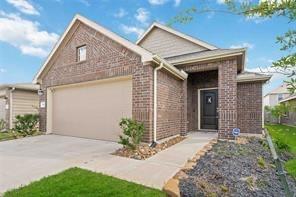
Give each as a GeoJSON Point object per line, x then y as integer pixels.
{"type": "Point", "coordinates": [281, 145]}
{"type": "Point", "coordinates": [26, 124]}
{"type": "Point", "coordinates": [2, 125]}
{"type": "Point", "coordinates": [132, 133]}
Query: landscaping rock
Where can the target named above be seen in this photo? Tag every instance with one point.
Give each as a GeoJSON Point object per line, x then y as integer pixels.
{"type": "Point", "coordinates": [144, 151]}
{"type": "Point", "coordinates": [234, 169]}
{"type": "Point", "coordinates": [171, 188]}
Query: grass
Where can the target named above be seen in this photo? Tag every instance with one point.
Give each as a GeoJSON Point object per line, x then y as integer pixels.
{"type": "Point", "coordinates": [9, 135]}
{"type": "Point", "coordinates": [6, 136]}
{"type": "Point", "coordinates": [80, 182]}
{"type": "Point", "coordinates": [285, 138]}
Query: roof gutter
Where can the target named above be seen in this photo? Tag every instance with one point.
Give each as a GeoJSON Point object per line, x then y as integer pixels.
{"type": "Point", "coordinates": [253, 79]}
{"type": "Point", "coordinates": [170, 68]}
{"type": "Point", "coordinates": [288, 99]}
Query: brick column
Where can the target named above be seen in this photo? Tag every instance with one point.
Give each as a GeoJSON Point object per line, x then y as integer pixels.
{"type": "Point", "coordinates": [143, 98]}
{"type": "Point", "coordinates": [184, 127]}
{"type": "Point", "coordinates": [227, 98]}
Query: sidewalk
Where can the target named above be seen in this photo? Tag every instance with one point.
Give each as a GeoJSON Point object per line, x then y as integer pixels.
{"type": "Point", "coordinates": [156, 170]}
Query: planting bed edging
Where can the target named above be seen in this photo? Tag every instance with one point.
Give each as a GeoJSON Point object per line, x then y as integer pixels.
{"type": "Point", "coordinates": [171, 187]}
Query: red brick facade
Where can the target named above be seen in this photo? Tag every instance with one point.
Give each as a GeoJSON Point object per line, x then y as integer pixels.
{"type": "Point", "coordinates": [249, 107]}
{"type": "Point", "coordinates": [177, 99]}
{"type": "Point", "coordinates": [170, 105]}
{"type": "Point", "coordinates": [105, 59]}
{"type": "Point", "coordinates": [227, 98]}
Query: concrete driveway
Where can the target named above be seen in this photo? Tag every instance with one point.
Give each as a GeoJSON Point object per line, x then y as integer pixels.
{"type": "Point", "coordinates": [25, 160]}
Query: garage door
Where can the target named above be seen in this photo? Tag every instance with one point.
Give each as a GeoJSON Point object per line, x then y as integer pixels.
{"type": "Point", "coordinates": [92, 110]}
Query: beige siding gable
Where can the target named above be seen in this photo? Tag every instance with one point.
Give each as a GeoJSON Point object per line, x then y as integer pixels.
{"type": "Point", "coordinates": [166, 44]}
{"type": "Point", "coordinates": [2, 108]}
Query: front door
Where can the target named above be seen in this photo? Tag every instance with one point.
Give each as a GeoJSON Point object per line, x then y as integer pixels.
{"type": "Point", "coordinates": [208, 107]}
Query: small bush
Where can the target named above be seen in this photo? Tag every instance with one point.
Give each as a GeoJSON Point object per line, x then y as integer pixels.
{"type": "Point", "coordinates": [133, 133]}
{"type": "Point", "coordinates": [281, 145]}
{"type": "Point", "coordinates": [2, 125]}
{"type": "Point", "coordinates": [26, 124]}
{"type": "Point", "coordinates": [261, 162]}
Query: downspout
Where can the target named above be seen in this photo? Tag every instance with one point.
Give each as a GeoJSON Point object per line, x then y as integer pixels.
{"type": "Point", "coordinates": [10, 107]}
{"type": "Point", "coordinates": [155, 104]}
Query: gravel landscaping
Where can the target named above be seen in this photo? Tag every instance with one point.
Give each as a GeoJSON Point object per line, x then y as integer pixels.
{"type": "Point", "coordinates": [234, 169]}
{"type": "Point", "coordinates": [144, 151]}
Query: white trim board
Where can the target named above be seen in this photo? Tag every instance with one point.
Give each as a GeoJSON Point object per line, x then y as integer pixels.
{"type": "Point", "coordinates": [199, 104]}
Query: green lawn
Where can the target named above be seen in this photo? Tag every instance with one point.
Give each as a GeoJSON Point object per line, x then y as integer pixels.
{"type": "Point", "coordinates": [80, 182]}
{"type": "Point", "coordinates": [6, 136]}
{"type": "Point", "coordinates": [10, 135]}
{"type": "Point", "coordinates": [286, 136]}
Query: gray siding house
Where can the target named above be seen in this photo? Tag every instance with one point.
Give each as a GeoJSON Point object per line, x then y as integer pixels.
{"type": "Point", "coordinates": [17, 99]}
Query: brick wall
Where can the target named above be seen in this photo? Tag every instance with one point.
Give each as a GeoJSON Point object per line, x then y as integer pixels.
{"type": "Point", "coordinates": [170, 105]}
{"type": "Point", "coordinates": [105, 59]}
{"type": "Point", "coordinates": [249, 107]}
{"type": "Point", "coordinates": [227, 98]}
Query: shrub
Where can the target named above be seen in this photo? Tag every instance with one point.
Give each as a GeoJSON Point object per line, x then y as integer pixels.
{"type": "Point", "coordinates": [132, 133]}
{"type": "Point", "coordinates": [26, 124]}
{"type": "Point", "coordinates": [281, 145]}
{"type": "Point", "coordinates": [2, 125]}
{"type": "Point", "coordinates": [261, 162]}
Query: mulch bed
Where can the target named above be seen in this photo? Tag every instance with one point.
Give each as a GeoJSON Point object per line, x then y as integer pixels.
{"type": "Point", "coordinates": [234, 169]}
{"type": "Point", "coordinates": [144, 151]}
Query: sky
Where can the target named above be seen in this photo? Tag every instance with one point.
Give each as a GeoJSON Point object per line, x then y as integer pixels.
{"type": "Point", "coordinates": [30, 28]}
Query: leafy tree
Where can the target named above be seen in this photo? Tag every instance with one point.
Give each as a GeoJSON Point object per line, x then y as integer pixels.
{"type": "Point", "coordinates": [268, 9]}
{"type": "Point", "coordinates": [261, 9]}
{"type": "Point", "coordinates": [278, 111]}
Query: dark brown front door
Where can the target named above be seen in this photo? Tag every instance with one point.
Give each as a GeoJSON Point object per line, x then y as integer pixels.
{"type": "Point", "coordinates": [208, 107]}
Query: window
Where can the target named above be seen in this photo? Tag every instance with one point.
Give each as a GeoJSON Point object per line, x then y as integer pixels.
{"type": "Point", "coordinates": [280, 97]}
{"type": "Point", "coordinates": [81, 53]}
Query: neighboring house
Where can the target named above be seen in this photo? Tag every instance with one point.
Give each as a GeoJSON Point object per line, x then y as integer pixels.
{"type": "Point", "coordinates": [171, 82]}
{"type": "Point", "coordinates": [275, 96]}
{"type": "Point", "coordinates": [17, 99]}
{"type": "Point", "coordinates": [290, 117]}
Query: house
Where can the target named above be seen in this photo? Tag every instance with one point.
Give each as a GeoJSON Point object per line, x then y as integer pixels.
{"type": "Point", "coordinates": [275, 96]}
{"type": "Point", "coordinates": [17, 99]}
{"type": "Point", "coordinates": [290, 117]}
{"type": "Point", "coordinates": [170, 81]}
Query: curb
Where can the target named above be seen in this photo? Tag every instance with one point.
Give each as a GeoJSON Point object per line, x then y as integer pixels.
{"type": "Point", "coordinates": [171, 187]}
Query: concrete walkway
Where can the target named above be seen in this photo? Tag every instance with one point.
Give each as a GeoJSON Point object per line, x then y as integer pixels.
{"type": "Point", "coordinates": [156, 170]}
{"type": "Point", "coordinates": [25, 160]}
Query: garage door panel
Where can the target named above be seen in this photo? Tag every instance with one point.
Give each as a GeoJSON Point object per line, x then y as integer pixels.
{"type": "Point", "coordinates": [92, 111]}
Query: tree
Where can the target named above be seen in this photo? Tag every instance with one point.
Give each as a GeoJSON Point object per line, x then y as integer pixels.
{"type": "Point", "coordinates": [268, 9]}
{"type": "Point", "coordinates": [261, 9]}
{"type": "Point", "coordinates": [278, 111]}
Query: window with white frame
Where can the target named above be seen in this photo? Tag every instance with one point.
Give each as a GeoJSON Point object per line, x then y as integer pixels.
{"type": "Point", "coordinates": [280, 97]}
{"type": "Point", "coordinates": [81, 53]}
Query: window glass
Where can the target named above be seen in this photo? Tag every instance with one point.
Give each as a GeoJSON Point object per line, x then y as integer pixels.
{"type": "Point", "coordinates": [81, 53]}
{"type": "Point", "coordinates": [280, 97]}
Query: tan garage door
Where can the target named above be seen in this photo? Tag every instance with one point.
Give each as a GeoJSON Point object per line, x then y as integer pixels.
{"type": "Point", "coordinates": [92, 110]}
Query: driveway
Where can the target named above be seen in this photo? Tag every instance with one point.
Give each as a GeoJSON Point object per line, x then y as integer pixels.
{"type": "Point", "coordinates": [25, 160]}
